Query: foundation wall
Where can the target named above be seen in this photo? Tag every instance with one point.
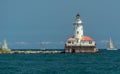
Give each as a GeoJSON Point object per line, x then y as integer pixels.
{"type": "Point", "coordinates": [80, 49]}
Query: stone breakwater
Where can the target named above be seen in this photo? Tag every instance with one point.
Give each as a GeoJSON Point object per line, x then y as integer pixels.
{"type": "Point", "coordinates": [32, 52]}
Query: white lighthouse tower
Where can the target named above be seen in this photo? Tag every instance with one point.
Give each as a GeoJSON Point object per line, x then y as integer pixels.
{"type": "Point", "coordinates": [78, 27]}
{"type": "Point", "coordinates": [79, 43]}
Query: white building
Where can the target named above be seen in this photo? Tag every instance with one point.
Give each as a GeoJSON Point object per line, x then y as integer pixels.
{"type": "Point", "coordinates": [79, 43]}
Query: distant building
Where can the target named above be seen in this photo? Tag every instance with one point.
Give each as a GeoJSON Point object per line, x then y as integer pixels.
{"type": "Point", "coordinates": [80, 43]}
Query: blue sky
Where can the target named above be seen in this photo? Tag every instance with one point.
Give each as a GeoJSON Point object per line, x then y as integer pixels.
{"type": "Point", "coordinates": [26, 23]}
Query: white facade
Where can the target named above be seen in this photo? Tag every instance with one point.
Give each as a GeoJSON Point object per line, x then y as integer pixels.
{"type": "Point", "coordinates": [79, 39]}
{"type": "Point", "coordinates": [81, 43]}
{"type": "Point", "coordinates": [78, 27]}
{"type": "Point", "coordinates": [87, 43]}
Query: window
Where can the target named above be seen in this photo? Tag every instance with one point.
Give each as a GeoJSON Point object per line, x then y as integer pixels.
{"type": "Point", "coordinates": [69, 42]}
{"type": "Point", "coordinates": [90, 42]}
{"type": "Point", "coordinates": [72, 42]}
{"type": "Point", "coordinates": [77, 32]}
{"type": "Point", "coordinates": [77, 41]}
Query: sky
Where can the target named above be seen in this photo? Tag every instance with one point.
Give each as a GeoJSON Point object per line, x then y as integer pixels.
{"type": "Point", "coordinates": [26, 24]}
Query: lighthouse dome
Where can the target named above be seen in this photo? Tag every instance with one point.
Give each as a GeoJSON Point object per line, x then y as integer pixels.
{"type": "Point", "coordinates": [86, 38]}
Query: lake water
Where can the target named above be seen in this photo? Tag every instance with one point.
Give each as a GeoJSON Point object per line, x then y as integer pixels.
{"type": "Point", "coordinates": [105, 62]}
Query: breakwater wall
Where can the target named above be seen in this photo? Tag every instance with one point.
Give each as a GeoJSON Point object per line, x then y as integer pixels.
{"type": "Point", "coordinates": [32, 52]}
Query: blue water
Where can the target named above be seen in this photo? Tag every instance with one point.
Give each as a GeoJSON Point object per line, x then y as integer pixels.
{"type": "Point", "coordinates": [105, 62]}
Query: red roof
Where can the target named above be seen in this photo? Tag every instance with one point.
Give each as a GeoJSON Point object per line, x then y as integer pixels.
{"type": "Point", "coordinates": [86, 38]}
{"type": "Point", "coordinates": [71, 39]}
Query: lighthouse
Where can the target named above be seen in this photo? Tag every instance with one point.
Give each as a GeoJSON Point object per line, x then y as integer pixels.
{"type": "Point", "coordinates": [79, 43]}
{"type": "Point", "coordinates": [78, 27]}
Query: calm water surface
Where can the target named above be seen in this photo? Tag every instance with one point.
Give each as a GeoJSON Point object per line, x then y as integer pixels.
{"type": "Point", "coordinates": [106, 62]}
